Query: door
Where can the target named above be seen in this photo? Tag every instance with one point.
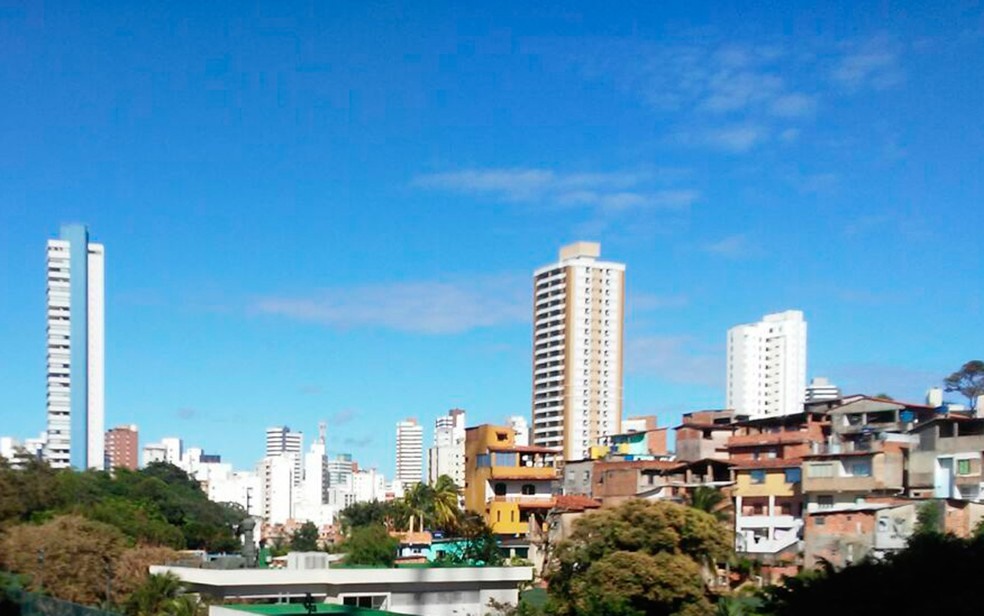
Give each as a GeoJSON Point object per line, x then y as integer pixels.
{"type": "Point", "coordinates": [943, 484]}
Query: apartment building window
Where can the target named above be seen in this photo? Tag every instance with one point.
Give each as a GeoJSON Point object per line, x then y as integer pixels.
{"type": "Point", "coordinates": [820, 471]}
{"type": "Point", "coordinates": [859, 468]}
{"type": "Point", "coordinates": [793, 475]}
{"type": "Point", "coordinates": [529, 489]}
{"type": "Point", "coordinates": [500, 489]}
{"type": "Point", "coordinates": [758, 476]}
{"type": "Point", "coordinates": [820, 520]}
{"type": "Point", "coordinates": [963, 467]}
{"type": "Point", "coordinates": [825, 501]}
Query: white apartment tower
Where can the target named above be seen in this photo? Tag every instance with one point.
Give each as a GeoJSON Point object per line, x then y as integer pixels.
{"type": "Point", "coordinates": [447, 456]}
{"type": "Point", "coordinates": [522, 429]}
{"type": "Point", "coordinates": [409, 452]}
{"type": "Point", "coordinates": [767, 366]}
{"type": "Point", "coordinates": [281, 441]}
{"type": "Point", "coordinates": [76, 350]}
{"type": "Point", "coordinates": [578, 316]}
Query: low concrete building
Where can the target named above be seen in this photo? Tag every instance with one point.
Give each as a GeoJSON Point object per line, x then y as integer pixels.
{"type": "Point", "coordinates": [849, 533]}
{"type": "Point", "coordinates": [443, 591]}
{"type": "Point", "coordinates": [578, 477]}
{"type": "Point", "coordinates": [768, 509]}
{"type": "Point", "coordinates": [615, 482]}
{"type": "Point", "coordinates": [704, 434]}
{"type": "Point", "coordinates": [947, 461]}
{"type": "Point", "coordinates": [850, 473]}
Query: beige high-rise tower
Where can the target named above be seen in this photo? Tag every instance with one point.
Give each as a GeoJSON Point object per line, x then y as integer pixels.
{"type": "Point", "coordinates": [578, 316]}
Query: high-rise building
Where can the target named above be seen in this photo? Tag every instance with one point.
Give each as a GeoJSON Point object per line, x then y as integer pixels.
{"type": "Point", "coordinates": [447, 456]}
{"type": "Point", "coordinates": [277, 484]}
{"type": "Point", "coordinates": [820, 388]}
{"type": "Point", "coordinates": [340, 470]}
{"type": "Point", "coordinates": [76, 323]}
{"type": "Point", "coordinates": [315, 486]}
{"type": "Point", "coordinates": [281, 441]}
{"type": "Point", "coordinates": [521, 428]}
{"type": "Point", "coordinates": [121, 448]}
{"type": "Point", "coordinates": [409, 452]}
{"type": "Point", "coordinates": [767, 366]}
{"type": "Point", "coordinates": [578, 313]}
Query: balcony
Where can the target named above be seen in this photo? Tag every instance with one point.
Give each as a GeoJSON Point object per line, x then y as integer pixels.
{"type": "Point", "coordinates": [767, 521]}
{"type": "Point", "coordinates": [535, 473]}
{"type": "Point", "coordinates": [769, 438]}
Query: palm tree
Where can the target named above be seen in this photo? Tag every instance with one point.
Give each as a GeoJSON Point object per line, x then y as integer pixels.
{"type": "Point", "coordinates": [445, 503]}
{"type": "Point", "coordinates": [419, 500]}
{"type": "Point", "coordinates": [708, 499]}
{"type": "Point", "coordinates": [161, 595]}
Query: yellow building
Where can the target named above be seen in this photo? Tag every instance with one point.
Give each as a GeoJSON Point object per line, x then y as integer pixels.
{"type": "Point", "coordinates": [768, 506]}
{"type": "Point", "coordinates": [505, 482]}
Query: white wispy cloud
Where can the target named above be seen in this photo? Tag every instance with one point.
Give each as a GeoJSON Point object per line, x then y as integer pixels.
{"type": "Point", "coordinates": [425, 307]}
{"type": "Point", "coordinates": [607, 191]}
{"type": "Point", "coordinates": [732, 247]}
{"type": "Point", "coordinates": [737, 97]}
{"type": "Point", "coordinates": [872, 63]}
{"type": "Point", "coordinates": [675, 358]}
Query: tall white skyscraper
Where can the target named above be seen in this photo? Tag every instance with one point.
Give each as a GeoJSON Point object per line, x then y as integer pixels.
{"type": "Point", "coordinates": [76, 350]}
{"type": "Point", "coordinates": [579, 306]}
{"type": "Point", "coordinates": [278, 486]}
{"type": "Point", "coordinates": [767, 365]}
{"type": "Point", "coordinates": [281, 441]}
{"type": "Point", "coordinates": [522, 429]}
{"type": "Point", "coordinates": [447, 456]}
{"type": "Point", "coordinates": [409, 452]}
{"type": "Point", "coordinates": [315, 487]}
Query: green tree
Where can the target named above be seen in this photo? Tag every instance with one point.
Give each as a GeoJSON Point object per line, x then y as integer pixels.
{"type": "Point", "coordinates": [68, 557]}
{"type": "Point", "coordinates": [710, 500]}
{"type": "Point", "coordinates": [446, 512]}
{"type": "Point", "coordinates": [639, 584]}
{"type": "Point", "coordinates": [929, 518]}
{"type": "Point", "coordinates": [681, 539]}
{"type": "Point", "coordinates": [161, 595]}
{"type": "Point", "coordinates": [305, 538]}
{"type": "Point", "coordinates": [365, 514]}
{"type": "Point", "coordinates": [879, 586]}
{"type": "Point", "coordinates": [370, 545]}
{"type": "Point", "coordinates": [968, 381]}
{"type": "Point", "coordinates": [419, 499]}
{"type": "Point", "coordinates": [479, 545]}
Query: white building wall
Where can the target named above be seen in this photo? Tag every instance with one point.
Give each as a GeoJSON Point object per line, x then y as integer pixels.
{"type": "Point", "coordinates": [521, 428]}
{"type": "Point", "coordinates": [241, 487]}
{"type": "Point", "coordinates": [409, 452]}
{"type": "Point", "coordinates": [59, 353]}
{"type": "Point", "coordinates": [96, 416]}
{"type": "Point", "coordinates": [277, 476]}
{"type": "Point", "coordinates": [447, 456]}
{"type": "Point", "coordinates": [766, 373]}
{"type": "Point", "coordinates": [578, 309]}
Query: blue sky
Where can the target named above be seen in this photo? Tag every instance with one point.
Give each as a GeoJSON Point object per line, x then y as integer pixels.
{"type": "Point", "coordinates": [332, 211]}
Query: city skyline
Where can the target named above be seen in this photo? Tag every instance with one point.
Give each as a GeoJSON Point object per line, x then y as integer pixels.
{"type": "Point", "coordinates": [336, 217]}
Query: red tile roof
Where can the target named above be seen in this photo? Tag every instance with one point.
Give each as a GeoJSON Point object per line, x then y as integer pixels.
{"type": "Point", "coordinates": [575, 502]}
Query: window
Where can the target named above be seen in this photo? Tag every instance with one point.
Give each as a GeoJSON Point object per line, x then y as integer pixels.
{"type": "Point", "coordinates": [500, 489]}
{"type": "Point", "coordinates": [483, 460]}
{"type": "Point", "coordinates": [963, 467]}
{"type": "Point", "coordinates": [506, 458]}
{"type": "Point", "coordinates": [818, 471]}
{"type": "Point", "coordinates": [820, 520]}
{"type": "Point", "coordinates": [758, 476]}
{"type": "Point", "coordinates": [825, 501]}
{"type": "Point", "coordinates": [528, 489]}
{"type": "Point", "coordinates": [793, 475]}
{"type": "Point", "coordinates": [858, 468]}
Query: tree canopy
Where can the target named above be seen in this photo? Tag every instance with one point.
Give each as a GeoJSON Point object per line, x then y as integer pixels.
{"type": "Point", "coordinates": [370, 545]}
{"type": "Point", "coordinates": [639, 558]}
{"type": "Point", "coordinates": [158, 505]}
{"type": "Point", "coordinates": [968, 381]}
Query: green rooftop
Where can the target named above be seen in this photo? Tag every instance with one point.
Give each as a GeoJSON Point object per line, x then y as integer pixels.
{"type": "Point", "coordinates": [298, 609]}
